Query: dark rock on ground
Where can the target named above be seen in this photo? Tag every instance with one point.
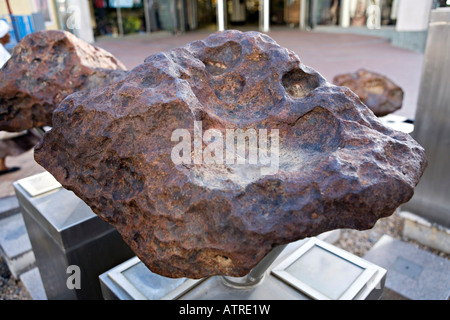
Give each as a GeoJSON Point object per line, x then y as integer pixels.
{"type": "Point", "coordinates": [378, 92]}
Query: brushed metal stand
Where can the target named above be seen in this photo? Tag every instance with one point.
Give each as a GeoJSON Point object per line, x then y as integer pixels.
{"type": "Point", "coordinates": [305, 269]}
{"type": "Point", "coordinates": [64, 231]}
{"type": "Point", "coordinates": [256, 275]}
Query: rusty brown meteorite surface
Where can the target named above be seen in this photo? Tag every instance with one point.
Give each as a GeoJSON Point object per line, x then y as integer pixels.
{"type": "Point", "coordinates": [378, 92]}
{"type": "Point", "coordinates": [339, 167]}
{"type": "Point", "coordinates": [44, 68]}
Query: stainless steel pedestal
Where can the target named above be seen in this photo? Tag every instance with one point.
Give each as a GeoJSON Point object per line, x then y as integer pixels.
{"type": "Point", "coordinates": [431, 198]}
{"type": "Point", "coordinates": [64, 231]}
{"type": "Point", "coordinates": [306, 269]}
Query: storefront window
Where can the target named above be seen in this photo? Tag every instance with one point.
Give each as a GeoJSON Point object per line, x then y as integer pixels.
{"type": "Point", "coordinates": [285, 12]}
{"type": "Point", "coordinates": [441, 3]}
{"type": "Point", "coordinates": [292, 12]}
{"type": "Point", "coordinates": [327, 12]}
{"type": "Point", "coordinates": [123, 17]}
{"type": "Point", "coordinates": [43, 6]}
{"type": "Point", "coordinates": [371, 14]}
{"type": "Point", "coordinates": [108, 17]}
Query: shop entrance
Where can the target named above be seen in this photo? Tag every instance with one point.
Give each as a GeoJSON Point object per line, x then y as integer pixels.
{"type": "Point", "coordinates": [243, 12]}
{"type": "Point", "coordinates": [207, 15]}
{"type": "Point", "coordinates": [286, 12]}
{"type": "Point", "coordinates": [263, 14]}
{"type": "Point", "coordinates": [125, 17]}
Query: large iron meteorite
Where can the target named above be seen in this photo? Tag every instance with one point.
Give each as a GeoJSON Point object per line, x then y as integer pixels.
{"type": "Point", "coordinates": [154, 154]}
{"type": "Point", "coordinates": [44, 68]}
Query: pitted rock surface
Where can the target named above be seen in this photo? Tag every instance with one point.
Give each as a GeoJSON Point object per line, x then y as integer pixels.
{"type": "Point", "coordinates": [378, 92]}
{"type": "Point", "coordinates": [339, 167]}
{"type": "Point", "coordinates": [44, 68]}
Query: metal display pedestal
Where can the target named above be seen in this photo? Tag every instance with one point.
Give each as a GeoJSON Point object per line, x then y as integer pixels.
{"type": "Point", "coordinates": [431, 199]}
{"type": "Point", "coordinates": [64, 231]}
{"type": "Point", "coordinates": [306, 269]}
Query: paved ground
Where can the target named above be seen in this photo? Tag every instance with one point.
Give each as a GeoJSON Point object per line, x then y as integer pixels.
{"type": "Point", "coordinates": [28, 167]}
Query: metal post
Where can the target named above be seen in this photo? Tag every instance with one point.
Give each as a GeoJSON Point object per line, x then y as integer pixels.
{"type": "Point", "coordinates": [345, 13]}
{"type": "Point", "coordinates": [181, 12]}
{"type": "Point", "coordinates": [312, 13]}
{"type": "Point", "coordinates": [193, 15]}
{"type": "Point", "coordinates": [257, 273]}
{"type": "Point", "coordinates": [39, 131]}
{"type": "Point", "coordinates": [266, 16]}
{"type": "Point", "coordinates": [220, 15]}
{"type": "Point", "coordinates": [119, 19]}
{"type": "Point", "coordinates": [302, 18]}
{"type": "Point", "coordinates": [147, 16]}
